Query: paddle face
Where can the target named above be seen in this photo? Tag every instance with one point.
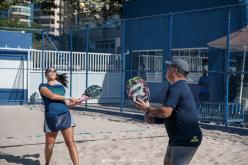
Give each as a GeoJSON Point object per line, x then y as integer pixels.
{"type": "Point", "coordinates": [137, 88]}
{"type": "Point", "coordinates": [93, 91]}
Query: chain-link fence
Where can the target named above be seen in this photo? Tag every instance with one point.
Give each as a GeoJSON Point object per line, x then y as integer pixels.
{"type": "Point", "coordinates": [208, 40]}
{"type": "Point", "coordinates": [213, 42]}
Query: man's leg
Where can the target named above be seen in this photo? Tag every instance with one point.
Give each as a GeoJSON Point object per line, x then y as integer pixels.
{"type": "Point", "coordinates": [182, 155]}
{"type": "Point", "coordinates": [167, 156]}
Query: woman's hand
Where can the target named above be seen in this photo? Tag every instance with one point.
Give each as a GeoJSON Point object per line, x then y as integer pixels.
{"type": "Point", "coordinates": [71, 101]}
{"type": "Point", "coordinates": [83, 98]}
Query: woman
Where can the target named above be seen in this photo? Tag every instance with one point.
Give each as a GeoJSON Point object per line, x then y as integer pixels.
{"type": "Point", "coordinates": [57, 115]}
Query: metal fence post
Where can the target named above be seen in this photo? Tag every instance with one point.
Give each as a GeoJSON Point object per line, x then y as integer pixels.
{"type": "Point", "coordinates": [71, 43]}
{"type": "Point", "coordinates": [42, 58]}
{"type": "Point", "coordinates": [227, 65]}
{"type": "Point", "coordinates": [87, 58]}
{"type": "Point", "coordinates": [167, 54]}
{"type": "Point", "coordinates": [170, 35]}
{"type": "Point", "coordinates": [122, 65]}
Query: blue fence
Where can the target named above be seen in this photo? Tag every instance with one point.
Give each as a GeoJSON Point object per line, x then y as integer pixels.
{"type": "Point", "coordinates": [216, 112]}
{"type": "Point", "coordinates": [206, 38]}
{"type": "Point", "coordinates": [213, 43]}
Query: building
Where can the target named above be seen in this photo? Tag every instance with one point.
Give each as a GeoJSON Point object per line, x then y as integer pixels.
{"type": "Point", "coordinates": [22, 11]}
{"type": "Point", "coordinates": [52, 21]}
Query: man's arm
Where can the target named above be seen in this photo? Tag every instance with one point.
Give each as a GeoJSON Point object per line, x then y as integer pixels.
{"type": "Point", "coordinates": [153, 120]}
{"type": "Point", "coordinates": [161, 112]}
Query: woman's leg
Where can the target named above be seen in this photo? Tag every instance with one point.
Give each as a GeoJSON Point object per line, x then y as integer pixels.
{"type": "Point", "coordinates": [68, 135]}
{"type": "Point", "coordinates": [50, 140]}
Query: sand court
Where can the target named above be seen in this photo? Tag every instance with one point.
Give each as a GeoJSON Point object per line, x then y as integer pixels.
{"type": "Point", "coordinates": [106, 139]}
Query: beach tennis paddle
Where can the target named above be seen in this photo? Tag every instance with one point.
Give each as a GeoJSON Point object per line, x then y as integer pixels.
{"type": "Point", "coordinates": [137, 88]}
{"type": "Point", "coordinates": [92, 92]}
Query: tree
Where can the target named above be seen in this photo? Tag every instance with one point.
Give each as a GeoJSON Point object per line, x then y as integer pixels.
{"type": "Point", "coordinates": [17, 24]}
{"type": "Point", "coordinates": [4, 5]}
{"type": "Point", "coordinates": [97, 9]}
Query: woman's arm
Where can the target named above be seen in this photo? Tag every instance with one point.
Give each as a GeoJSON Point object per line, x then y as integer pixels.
{"type": "Point", "coordinates": [71, 102]}
{"type": "Point", "coordinates": [75, 101]}
{"type": "Point", "coordinates": [47, 93]}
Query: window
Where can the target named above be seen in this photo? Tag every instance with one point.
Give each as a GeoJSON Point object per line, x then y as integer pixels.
{"type": "Point", "coordinates": [147, 64]}
{"type": "Point", "coordinates": [20, 16]}
{"type": "Point", "coordinates": [196, 57]}
{"type": "Point", "coordinates": [45, 21]}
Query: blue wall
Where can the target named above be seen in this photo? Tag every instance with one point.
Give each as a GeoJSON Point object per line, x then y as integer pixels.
{"type": "Point", "coordinates": [15, 39]}
{"type": "Point", "coordinates": [12, 96]}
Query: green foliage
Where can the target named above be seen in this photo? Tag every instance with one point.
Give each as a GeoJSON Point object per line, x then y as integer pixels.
{"type": "Point", "coordinates": [17, 24]}
{"type": "Point", "coordinates": [98, 9]}
{"type": "Point", "coordinates": [47, 5]}
{"type": "Point", "coordinates": [4, 5]}
{"type": "Point", "coordinates": [13, 23]}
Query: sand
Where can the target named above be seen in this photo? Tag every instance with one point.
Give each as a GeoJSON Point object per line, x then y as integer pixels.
{"type": "Point", "coordinates": [107, 140]}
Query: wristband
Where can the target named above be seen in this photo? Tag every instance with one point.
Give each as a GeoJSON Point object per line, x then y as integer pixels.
{"type": "Point", "coordinates": [147, 110]}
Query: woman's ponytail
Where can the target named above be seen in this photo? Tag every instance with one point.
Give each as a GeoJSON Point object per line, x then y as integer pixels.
{"type": "Point", "coordinates": [62, 78]}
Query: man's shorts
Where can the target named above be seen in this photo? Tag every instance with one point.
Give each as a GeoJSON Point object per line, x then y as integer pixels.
{"type": "Point", "coordinates": [57, 123]}
{"type": "Point", "coordinates": [179, 155]}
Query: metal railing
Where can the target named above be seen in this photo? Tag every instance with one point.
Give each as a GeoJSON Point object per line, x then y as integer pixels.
{"type": "Point", "coordinates": [215, 111]}
{"type": "Point", "coordinates": [195, 63]}
{"type": "Point", "coordinates": [64, 60]}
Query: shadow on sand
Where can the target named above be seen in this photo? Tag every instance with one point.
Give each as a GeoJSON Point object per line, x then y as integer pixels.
{"type": "Point", "coordinates": [25, 159]}
{"type": "Point", "coordinates": [137, 116]}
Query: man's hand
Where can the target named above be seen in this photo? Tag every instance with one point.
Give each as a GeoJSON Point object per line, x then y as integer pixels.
{"type": "Point", "coordinates": [141, 104]}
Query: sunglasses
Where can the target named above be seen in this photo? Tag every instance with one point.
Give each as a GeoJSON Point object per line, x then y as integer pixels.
{"type": "Point", "coordinates": [51, 70]}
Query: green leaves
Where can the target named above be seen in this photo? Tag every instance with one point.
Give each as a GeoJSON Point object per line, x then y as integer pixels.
{"type": "Point", "coordinates": [97, 9]}
{"type": "Point", "coordinates": [4, 5]}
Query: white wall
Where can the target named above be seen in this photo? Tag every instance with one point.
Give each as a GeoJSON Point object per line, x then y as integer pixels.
{"type": "Point", "coordinates": [11, 73]}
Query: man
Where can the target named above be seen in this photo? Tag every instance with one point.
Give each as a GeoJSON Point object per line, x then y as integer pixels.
{"type": "Point", "coordinates": [179, 111]}
{"type": "Point", "coordinates": [204, 84]}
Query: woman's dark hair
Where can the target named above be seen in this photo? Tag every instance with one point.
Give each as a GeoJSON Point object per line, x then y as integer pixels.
{"type": "Point", "coordinates": [62, 78]}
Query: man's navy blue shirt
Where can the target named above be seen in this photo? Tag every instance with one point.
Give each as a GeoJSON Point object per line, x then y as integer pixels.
{"type": "Point", "coordinates": [182, 126]}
